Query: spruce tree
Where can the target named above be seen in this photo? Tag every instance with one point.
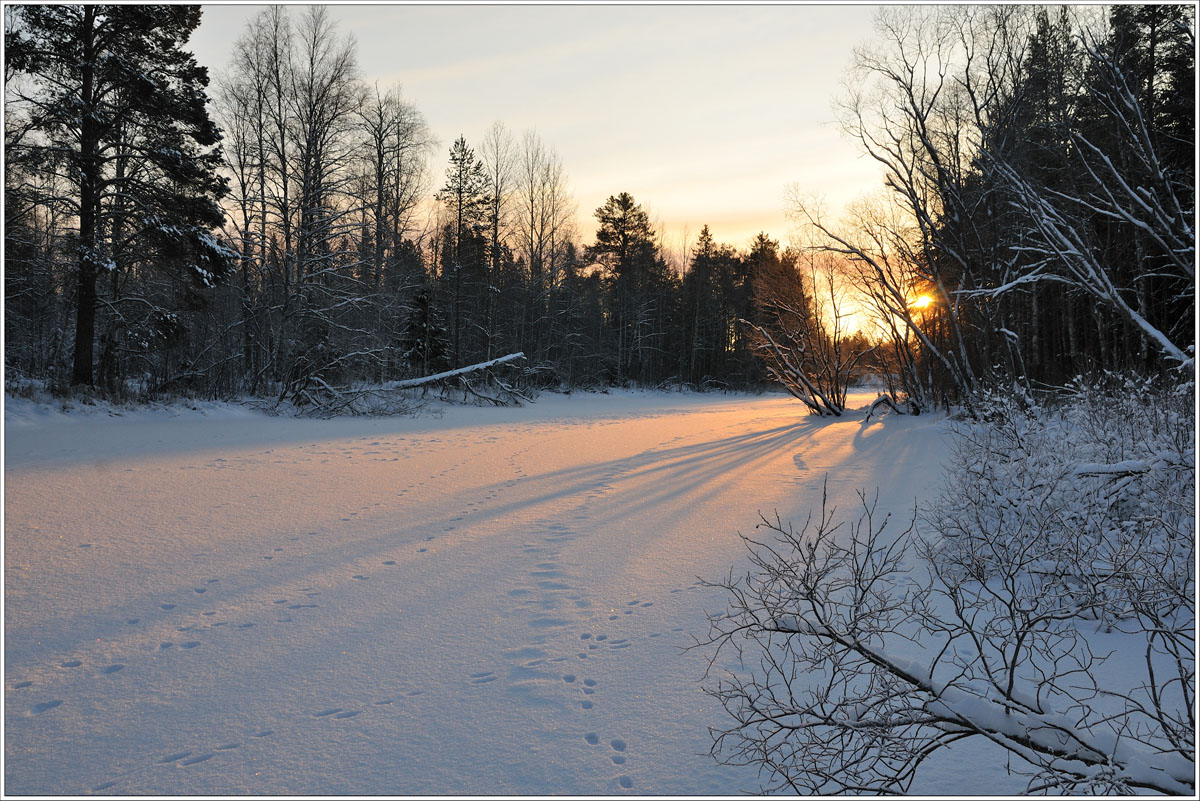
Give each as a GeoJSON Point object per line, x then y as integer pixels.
{"type": "Point", "coordinates": [465, 198]}
{"type": "Point", "coordinates": [640, 291]}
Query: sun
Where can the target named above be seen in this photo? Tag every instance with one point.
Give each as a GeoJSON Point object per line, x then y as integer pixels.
{"type": "Point", "coordinates": [921, 302]}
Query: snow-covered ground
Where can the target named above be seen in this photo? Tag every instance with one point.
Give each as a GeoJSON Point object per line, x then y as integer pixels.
{"type": "Point", "coordinates": [485, 601]}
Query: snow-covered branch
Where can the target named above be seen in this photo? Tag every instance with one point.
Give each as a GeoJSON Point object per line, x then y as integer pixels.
{"type": "Point", "coordinates": [1037, 605]}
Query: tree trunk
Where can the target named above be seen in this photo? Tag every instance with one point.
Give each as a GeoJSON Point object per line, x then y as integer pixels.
{"type": "Point", "coordinates": [89, 195]}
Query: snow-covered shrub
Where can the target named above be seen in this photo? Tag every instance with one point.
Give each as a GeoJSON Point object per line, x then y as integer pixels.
{"type": "Point", "coordinates": [1045, 602]}
{"type": "Point", "coordinates": [1090, 493]}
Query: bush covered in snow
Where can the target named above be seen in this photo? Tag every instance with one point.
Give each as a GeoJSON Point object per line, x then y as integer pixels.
{"type": "Point", "coordinates": [1045, 602]}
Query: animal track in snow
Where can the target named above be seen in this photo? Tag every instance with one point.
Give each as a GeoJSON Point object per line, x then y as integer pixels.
{"type": "Point", "coordinates": [198, 759]}
{"type": "Point", "coordinates": [111, 669]}
{"type": "Point", "coordinates": [45, 706]}
{"type": "Point", "coordinates": [592, 738]}
{"type": "Point", "coordinates": [625, 782]}
{"type": "Point", "coordinates": [71, 663]}
{"type": "Point", "coordinates": [483, 678]}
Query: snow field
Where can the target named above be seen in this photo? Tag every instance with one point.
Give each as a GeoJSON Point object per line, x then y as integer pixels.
{"type": "Point", "coordinates": [489, 601]}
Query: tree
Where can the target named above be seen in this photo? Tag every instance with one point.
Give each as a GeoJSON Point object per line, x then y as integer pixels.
{"type": "Point", "coordinates": [424, 342]}
{"type": "Point", "coordinates": [639, 286]}
{"type": "Point", "coordinates": [465, 198]}
{"type": "Point", "coordinates": [542, 212]}
{"type": "Point", "coordinates": [120, 109]}
{"type": "Point", "coordinates": [396, 141]}
{"type": "Point", "coordinates": [1045, 603]}
{"type": "Point", "coordinates": [714, 298]}
{"type": "Point", "coordinates": [799, 330]}
{"type": "Point", "coordinates": [1123, 233]}
{"type": "Point", "coordinates": [624, 239]}
{"type": "Point", "coordinates": [325, 96]}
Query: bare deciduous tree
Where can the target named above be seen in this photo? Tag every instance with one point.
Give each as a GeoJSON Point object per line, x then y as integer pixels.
{"type": "Point", "coordinates": [803, 341]}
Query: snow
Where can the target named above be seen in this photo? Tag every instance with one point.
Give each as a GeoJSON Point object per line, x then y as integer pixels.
{"type": "Point", "coordinates": [472, 601]}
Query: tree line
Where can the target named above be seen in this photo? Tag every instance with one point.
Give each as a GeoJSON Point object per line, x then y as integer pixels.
{"type": "Point", "coordinates": [286, 228]}
{"type": "Point", "coordinates": [1040, 190]}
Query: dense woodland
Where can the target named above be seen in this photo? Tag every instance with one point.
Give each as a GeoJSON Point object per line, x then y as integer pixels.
{"type": "Point", "coordinates": [289, 230]}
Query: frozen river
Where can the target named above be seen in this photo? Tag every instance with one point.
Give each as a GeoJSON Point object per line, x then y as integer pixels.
{"type": "Point", "coordinates": [486, 601]}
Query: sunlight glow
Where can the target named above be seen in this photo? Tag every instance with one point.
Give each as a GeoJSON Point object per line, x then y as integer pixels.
{"type": "Point", "coordinates": [921, 302]}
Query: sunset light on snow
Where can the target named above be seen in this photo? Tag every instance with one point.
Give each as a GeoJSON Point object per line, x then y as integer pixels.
{"type": "Point", "coordinates": [623, 399]}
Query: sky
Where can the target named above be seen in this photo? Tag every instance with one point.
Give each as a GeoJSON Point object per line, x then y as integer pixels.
{"type": "Point", "coordinates": [705, 114]}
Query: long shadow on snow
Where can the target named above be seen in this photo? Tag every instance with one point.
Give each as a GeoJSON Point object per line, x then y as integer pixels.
{"type": "Point", "coordinates": [660, 475]}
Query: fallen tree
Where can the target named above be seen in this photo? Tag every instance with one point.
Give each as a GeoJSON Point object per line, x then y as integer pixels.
{"type": "Point", "coordinates": [319, 398]}
{"type": "Point", "coordinates": [409, 383]}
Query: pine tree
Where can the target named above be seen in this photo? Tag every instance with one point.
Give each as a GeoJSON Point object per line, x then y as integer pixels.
{"type": "Point", "coordinates": [624, 240]}
{"type": "Point", "coordinates": [120, 109]}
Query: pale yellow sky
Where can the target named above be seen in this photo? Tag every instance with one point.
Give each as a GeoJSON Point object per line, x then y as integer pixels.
{"type": "Point", "coordinates": [703, 113]}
